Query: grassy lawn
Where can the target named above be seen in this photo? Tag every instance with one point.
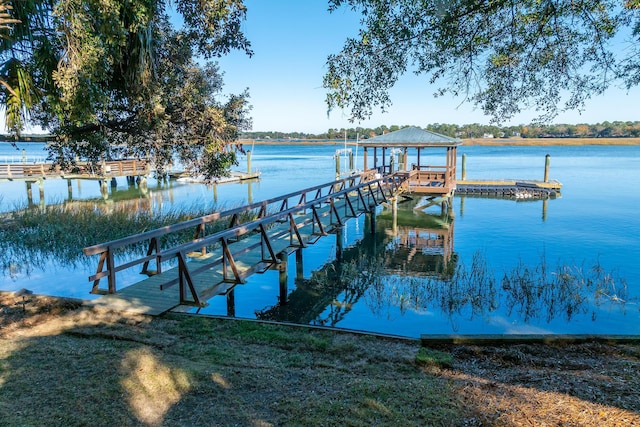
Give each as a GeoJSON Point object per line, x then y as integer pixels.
{"type": "Point", "coordinates": [65, 364]}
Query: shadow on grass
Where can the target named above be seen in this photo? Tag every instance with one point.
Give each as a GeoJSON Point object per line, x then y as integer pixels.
{"type": "Point", "coordinates": [63, 364]}
{"type": "Point", "coordinates": [83, 366]}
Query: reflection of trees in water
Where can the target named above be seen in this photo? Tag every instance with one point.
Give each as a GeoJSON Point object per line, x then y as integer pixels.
{"type": "Point", "coordinates": [536, 292]}
{"type": "Point", "coordinates": [408, 265]}
{"type": "Point", "coordinates": [468, 291]}
{"type": "Point", "coordinates": [533, 292]}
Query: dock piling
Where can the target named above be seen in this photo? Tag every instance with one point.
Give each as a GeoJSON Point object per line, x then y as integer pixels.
{"type": "Point", "coordinates": [547, 160]}
{"type": "Point", "coordinates": [464, 167]}
{"type": "Point", "coordinates": [283, 276]}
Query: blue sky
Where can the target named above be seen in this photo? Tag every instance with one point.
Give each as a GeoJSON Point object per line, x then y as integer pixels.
{"type": "Point", "coordinates": [291, 40]}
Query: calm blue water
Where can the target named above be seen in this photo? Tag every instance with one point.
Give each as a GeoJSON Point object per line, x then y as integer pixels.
{"type": "Point", "coordinates": [595, 222]}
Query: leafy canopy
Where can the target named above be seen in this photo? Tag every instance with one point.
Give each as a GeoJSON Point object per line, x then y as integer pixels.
{"type": "Point", "coordinates": [113, 77]}
{"type": "Point", "coordinates": [505, 56]}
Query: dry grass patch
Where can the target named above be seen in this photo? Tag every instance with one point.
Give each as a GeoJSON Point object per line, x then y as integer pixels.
{"type": "Point", "coordinates": [65, 364]}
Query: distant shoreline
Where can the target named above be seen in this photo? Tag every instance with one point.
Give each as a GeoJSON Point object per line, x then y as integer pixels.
{"type": "Point", "coordinates": [552, 141]}
{"type": "Point", "coordinates": [491, 142]}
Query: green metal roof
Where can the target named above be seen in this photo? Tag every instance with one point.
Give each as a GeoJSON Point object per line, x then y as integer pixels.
{"type": "Point", "coordinates": [411, 137]}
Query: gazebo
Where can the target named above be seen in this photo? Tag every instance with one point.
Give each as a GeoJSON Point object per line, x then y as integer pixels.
{"type": "Point", "coordinates": [426, 179]}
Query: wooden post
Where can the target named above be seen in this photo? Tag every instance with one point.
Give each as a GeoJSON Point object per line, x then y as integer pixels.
{"type": "Point", "coordinates": [41, 191]}
{"type": "Point", "coordinates": [29, 193]}
{"type": "Point", "coordinates": [351, 167]}
{"type": "Point", "coordinates": [394, 214]}
{"type": "Point", "coordinates": [299, 267]}
{"type": "Point", "coordinates": [372, 218]}
{"type": "Point", "coordinates": [104, 189]}
{"type": "Point", "coordinates": [375, 157]}
{"type": "Point", "coordinates": [337, 166]}
{"type": "Point", "coordinates": [547, 161]}
{"type": "Point", "coordinates": [283, 276]}
{"type": "Point", "coordinates": [464, 167]}
{"type": "Point", "coordinates": [384, 161]}
{"type": "Point", "coordinates": [69, 189]}
{"type": "Point", "coordinates": [339, 242]}
{"type": "Point", "coordinates": [405, 158]}
{"type": "Point", "coordinates": [364, 167]}
{"type": "Point", "coordinates": [231, 302]}
{"type": "Point", "coordinates": [248, 161]}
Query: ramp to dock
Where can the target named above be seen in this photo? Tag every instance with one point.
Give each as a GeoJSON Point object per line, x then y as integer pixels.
{"type": "Point", "coordinates": [248, 240]}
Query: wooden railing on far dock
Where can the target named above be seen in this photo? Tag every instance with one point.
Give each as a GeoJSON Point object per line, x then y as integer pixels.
{"type": "Point", "coordinates": [115, 168]}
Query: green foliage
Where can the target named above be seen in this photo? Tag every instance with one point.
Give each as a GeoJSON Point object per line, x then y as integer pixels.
{"type": "Point", "coordinates": [430, 357]}
{"type": "Point", "coordinates": [115, 78]}
{"type": "Point", "coordinates": [503, 56]}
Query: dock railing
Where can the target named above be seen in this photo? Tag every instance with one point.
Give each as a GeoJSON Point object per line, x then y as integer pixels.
{"type": "Point", "coordinates": [431, 179]}
{"type": "Point", "coordinates": [239, 223]}
{"type": "Point", "coordinates": [126, 167]}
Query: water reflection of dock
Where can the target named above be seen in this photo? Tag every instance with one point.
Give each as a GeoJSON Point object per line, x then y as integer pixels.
{"type": "Point", "coordinates": [405, 243]}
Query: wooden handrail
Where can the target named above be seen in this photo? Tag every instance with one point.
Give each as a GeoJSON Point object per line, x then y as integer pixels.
{"type": "Point", "coordinates": [235, 229]}
{"type": "Point", "coordinates": [45, 170]}
{"type": "Point", "coordinates": [159, 232]}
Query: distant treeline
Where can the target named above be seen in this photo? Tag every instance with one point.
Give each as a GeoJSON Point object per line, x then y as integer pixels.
{"type": "Point", "coordinates": [599, 130]}
{"type": "Point", "coordinates": [26, 138]}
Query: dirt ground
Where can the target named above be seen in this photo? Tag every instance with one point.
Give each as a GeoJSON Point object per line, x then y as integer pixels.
{"type": "Point", "coordinates": [589, 384]}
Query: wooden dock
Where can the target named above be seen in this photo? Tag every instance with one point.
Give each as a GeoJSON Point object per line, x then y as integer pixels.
{"type": "Point", "coordinates": [106, 170]}
{"type": "Point", "coordinates": [248, 240]}
{"type": "Point", "coordinates": [234, 176]}
{"type": "Point", "coordinates": [514, 188]}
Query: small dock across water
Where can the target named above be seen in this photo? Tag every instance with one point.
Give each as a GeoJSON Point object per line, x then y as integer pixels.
{"type": "Point", "coordinates": [37, 171]}
{"type": "Point", "coordinates": [509, 188]}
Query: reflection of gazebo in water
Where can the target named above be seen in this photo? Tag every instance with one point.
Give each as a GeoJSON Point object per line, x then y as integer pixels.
{"type": "Point", "coordinates": [408, 243]}
{"type": "Point", "coordinates": [436, 181]}
{"type": "Point", "coordinates": [420, 244]}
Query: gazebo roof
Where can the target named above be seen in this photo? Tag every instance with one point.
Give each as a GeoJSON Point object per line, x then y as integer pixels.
{"type": "Point", "coordinates": [411, 137]}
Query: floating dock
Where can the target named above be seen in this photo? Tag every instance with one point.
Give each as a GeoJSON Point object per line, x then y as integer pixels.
{"type": "Point", "coordinates": [510, 188]}
{"type": "Point", "coordinates": [234, 176]}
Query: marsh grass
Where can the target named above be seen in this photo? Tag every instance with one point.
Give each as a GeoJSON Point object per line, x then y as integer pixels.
{"type": "Point", "coordinates": [538, 291]}
{"type": "Point", "coordinates": [32, 237]}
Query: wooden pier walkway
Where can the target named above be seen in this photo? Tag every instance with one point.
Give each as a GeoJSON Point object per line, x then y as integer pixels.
{"type": "Point", "coordinates": [227, 247]}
